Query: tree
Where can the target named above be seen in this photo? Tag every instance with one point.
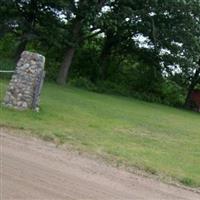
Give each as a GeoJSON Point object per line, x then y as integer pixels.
{"type": "Point", "coordinates": [83, 14]}
{"type": "Point", "coordinates": [25, 19]}
{"type": "Point", "coordinates": [171, 30]}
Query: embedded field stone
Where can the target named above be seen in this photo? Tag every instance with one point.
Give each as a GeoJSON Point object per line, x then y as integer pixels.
{"type": "Point", "coordinates": [25, 86]}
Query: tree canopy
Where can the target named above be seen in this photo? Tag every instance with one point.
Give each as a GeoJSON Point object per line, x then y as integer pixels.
{"type": "Point", "coordinates": [111, 43]}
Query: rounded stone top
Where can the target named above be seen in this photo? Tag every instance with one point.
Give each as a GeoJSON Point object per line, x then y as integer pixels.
{"type": "Point", "coordinates": [32, 56]}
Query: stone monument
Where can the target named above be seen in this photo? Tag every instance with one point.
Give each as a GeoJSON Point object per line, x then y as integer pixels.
{"type": "Point", "coordinates": [25, 86]}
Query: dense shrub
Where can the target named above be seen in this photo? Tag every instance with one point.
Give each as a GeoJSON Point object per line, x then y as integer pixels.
{"type": "Point", "coordinates": [7, 46]}
{"type": "Point", "coordinates": [84, 83]}
{"type": "Point", "coordinates": [172, 93]}
{"type": "Point", "coordinates": [86, 63]}
{"type": "Point", "coordinates": [51, 68]}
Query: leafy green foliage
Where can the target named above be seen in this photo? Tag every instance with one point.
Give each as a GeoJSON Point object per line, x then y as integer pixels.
{"type": "Point", "coordinates": [164, 64]}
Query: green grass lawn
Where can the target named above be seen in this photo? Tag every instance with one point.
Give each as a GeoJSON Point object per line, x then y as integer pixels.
{"type": "Point", "coordinates": [152, 137]}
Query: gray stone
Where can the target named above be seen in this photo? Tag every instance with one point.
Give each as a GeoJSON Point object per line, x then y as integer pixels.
{"type": "Point", "coordinates": [25, 86]}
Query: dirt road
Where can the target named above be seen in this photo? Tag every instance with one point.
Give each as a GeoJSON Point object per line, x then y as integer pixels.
{"type": "Point", "coordinates": [35, 170]}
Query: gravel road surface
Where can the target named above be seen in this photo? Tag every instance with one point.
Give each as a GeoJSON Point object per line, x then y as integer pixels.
{"type": "Point", "coordinates": [32, 169]}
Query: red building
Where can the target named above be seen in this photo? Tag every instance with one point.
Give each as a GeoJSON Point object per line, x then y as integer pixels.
{"type": "Point", "coordinates": [195, 100]}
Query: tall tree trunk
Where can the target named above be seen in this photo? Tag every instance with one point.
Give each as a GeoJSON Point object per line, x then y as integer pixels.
{"type": "Point", "coordinates": [21, 47]}
{"type": "Point", "coordinates": [104, 62]}
{"type": "Point", "coordinates": [193, 83]}
{"type": "Point", "coordinates": [156, 59]}
{"type": "Point", "coordinates": [64, 69]}
{"type": "Point", "coordinates": [76, 39]}
{"type": "Point", "coordinates": [105, 55]}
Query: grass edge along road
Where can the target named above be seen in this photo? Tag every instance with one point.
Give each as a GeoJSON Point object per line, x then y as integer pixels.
{"type": "Point", "coordinates": [155, 138]}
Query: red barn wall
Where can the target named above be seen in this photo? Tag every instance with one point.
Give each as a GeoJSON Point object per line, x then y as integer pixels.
{"type": "Point", "coordinates": [195, 99]}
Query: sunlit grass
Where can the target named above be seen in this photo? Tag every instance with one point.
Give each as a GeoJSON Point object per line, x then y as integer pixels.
{"type": "Point", "coordinates": [156, 138]}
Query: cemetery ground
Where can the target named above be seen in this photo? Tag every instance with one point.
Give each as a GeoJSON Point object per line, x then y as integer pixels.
{"type": "Point", "coordinates": [157, 139]}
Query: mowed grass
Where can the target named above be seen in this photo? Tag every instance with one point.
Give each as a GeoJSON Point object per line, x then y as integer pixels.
{"type": "Point", "coordinates": [158, 139]}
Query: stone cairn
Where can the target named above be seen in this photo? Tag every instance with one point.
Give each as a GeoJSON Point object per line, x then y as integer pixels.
{"type": "Point", "coordinates": [25, 86]}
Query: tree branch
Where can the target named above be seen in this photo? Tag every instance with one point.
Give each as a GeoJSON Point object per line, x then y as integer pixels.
{"type": "Point", "coordinates": [91, 35]}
